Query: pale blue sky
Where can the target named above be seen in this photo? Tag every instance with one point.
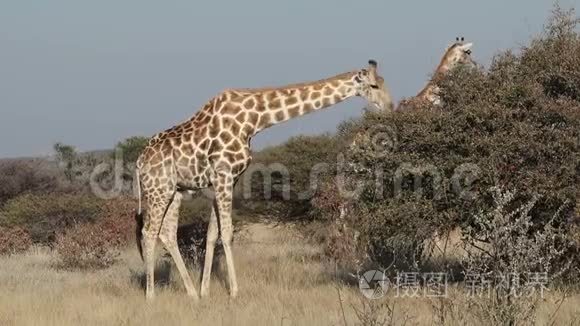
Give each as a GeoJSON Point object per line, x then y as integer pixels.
{"type": "Point", "coordinates": [92, 73]}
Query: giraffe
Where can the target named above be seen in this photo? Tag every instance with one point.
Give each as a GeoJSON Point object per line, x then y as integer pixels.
{"type": "Point", "coordinates": [212, 149]}
{"type": "Point", "coordinates": [457, 54]}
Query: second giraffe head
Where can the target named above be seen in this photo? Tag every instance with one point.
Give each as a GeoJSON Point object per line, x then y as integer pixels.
{"type": "Point", "coordinates": [458, 54]}
{"type": "Point", "coordinates": [371, 87]}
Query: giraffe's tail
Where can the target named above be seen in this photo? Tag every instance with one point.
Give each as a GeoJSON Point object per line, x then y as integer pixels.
{"type": "Point", "coordinates": [139, 217]}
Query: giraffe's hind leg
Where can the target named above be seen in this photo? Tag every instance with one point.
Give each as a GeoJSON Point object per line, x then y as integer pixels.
{"type": "Point", "coordinates": [155, 210]}
{"type": "Point", "coordinates": [168, 237]}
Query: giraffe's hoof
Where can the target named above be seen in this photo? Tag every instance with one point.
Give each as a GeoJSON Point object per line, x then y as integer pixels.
{"type": "Point", "coordinates": [204, 292]}
{"type": "Point", "coordinates": [234, 293]}
{"type": "Point", "coordinates": [149, 296]}
{"type": "Point", "coordinates": [193, 296]}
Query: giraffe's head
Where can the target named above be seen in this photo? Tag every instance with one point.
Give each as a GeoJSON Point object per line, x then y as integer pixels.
{"type": "Point", "coordinates": [371, 86]}
{"type": "Point", "coordinates": [459, 53]}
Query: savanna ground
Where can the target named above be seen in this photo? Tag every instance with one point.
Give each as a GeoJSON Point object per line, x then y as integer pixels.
{"type": "Point", "coordinates": [283, 281]}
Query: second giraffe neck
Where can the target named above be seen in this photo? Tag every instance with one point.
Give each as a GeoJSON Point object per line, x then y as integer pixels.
{"type": "Point", "coordinates": [429, 92]}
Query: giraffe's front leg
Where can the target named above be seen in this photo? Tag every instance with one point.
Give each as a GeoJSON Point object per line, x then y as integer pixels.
{"type": "Point", "coordinates": [224, 185]}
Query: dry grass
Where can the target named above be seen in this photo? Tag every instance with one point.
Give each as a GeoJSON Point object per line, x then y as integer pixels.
{"type": "Point", "coordinates": [282, 282]}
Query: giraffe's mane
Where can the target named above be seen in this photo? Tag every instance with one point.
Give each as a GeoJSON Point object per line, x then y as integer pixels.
{"type": "Point", "coordinates": [294, 86]}
{"type": "Point", "coordinates": [448, 52]}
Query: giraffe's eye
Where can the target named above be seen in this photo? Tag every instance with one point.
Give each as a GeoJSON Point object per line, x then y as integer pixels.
{"type": "Point", "coordinates": [374, 86]}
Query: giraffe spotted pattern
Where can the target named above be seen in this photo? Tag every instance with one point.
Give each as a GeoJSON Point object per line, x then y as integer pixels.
{"type": "Point", "coordinates": [212, 149]}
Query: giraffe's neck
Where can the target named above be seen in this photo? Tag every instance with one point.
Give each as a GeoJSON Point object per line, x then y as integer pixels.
{"type": "Point", "coordinates": [282, 104]}
{"type": "Point", "coordinates": [430, 91]}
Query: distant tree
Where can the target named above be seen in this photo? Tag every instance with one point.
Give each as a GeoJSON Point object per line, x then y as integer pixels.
{"type": "Point", "coordinates": [66, 156]}
{"type": "Point", "coordinates": [66, 153]}
{"type": "Point", "coordinates": [132, 147]}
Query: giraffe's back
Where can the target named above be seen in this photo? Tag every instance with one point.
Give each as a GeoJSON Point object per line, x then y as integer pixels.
{"type": "Point", "coordinates": [187, 152]}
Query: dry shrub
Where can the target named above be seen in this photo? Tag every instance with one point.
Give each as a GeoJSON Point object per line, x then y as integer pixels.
{"type": "Point", "coordinates": [85, 247]}
{"type": "Point", "coordinates": [383, 312]}
{"type": "Point", "coordinates": [327, 203]}
{"type": "Point", "coordinates": [506, 248]}
{"type": "Point", "coordinates": [14, 240]}
{"type": "Point", "coordinates": [192, 232]}
{"type": "Point", "coordinates": [341, 243]}
{"type": "Point", "coordinates": [373, 313]}
{"type": "Point", "coordinates": [94, 245]}
{"type": "Point", "coordinates": [20, 176]}
{"type": "Point", "coordinates": [117, 221]}
{"type": "Point", "coordinates": [280, 177]}
{"type": "Point", "coordinates": [191, 239]}
{"type": "Point", "coordinates": [194, 216]}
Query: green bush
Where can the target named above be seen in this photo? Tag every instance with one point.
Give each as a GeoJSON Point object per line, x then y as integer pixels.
{"type": "Point", "coordinates": [515, 125]}
{"type": "Point", "coordinates": [281, 179]}
{"type": "Point", "coordinates": [132, 147]}
{"type": "Point", "coordinates": [194, 210]}
{"type": "Point", "coordinates": [43, 215]}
